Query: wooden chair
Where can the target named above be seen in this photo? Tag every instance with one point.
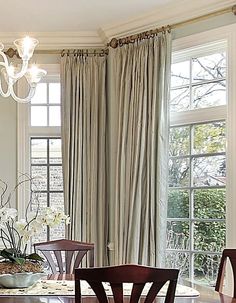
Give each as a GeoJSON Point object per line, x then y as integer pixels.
{"type": "Point", "coordinates": [74, 252]}
{"type": "Point", "coordinates": [231, 254]}
{"type": "Point", "coordinates": [136, 274]}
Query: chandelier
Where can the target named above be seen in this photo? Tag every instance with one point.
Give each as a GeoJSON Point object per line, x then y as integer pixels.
{"type": "Point", "coordinates": [25, 48]}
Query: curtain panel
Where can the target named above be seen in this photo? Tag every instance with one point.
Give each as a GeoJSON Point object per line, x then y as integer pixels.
{"type": "Point", "coordinates": [84, 149]}
{"type": "Point", "coordinates": [141, 77]}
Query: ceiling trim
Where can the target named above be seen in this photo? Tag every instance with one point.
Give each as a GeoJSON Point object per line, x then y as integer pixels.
{"type": "Point", "coordinates": [56, 40]}
{"type": "Point", "coordinates": [168, 14]}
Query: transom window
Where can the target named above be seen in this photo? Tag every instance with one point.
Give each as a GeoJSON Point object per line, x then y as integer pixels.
{"type": "Point", "coordinates": [45, 105]}
{"type": "Point", "coordinates": [196, 229]}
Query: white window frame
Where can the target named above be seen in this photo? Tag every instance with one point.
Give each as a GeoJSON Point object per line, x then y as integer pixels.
{"type": "Point", "coordinates": [225, 34]}
{"type": "Point", "coordinates": [25, 132]}
{"type": "Point", "coordinates": [201, 115]}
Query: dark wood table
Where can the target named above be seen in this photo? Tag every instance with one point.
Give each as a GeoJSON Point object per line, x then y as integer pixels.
{"type": "Point", "coordinates": [207, 295]}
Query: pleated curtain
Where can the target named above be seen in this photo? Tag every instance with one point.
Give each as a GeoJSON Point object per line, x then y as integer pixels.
{"type": "Point", "coordinates": [84, 149]}
{"type": "Point", "coordinates": [141, 79]}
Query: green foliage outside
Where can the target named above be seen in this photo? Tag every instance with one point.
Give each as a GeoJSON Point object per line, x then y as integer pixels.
{"type": "Point", "coordinates": [208, 236]}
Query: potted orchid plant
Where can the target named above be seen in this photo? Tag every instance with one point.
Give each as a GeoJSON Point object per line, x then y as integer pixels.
{"type": "Point", "coordinates": [16, 233]}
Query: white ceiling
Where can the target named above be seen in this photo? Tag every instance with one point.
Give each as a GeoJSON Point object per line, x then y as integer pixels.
{"type": "Point", "coordinates": [91, 23]}
{"type": "Point", "coordinates": [70, 15]}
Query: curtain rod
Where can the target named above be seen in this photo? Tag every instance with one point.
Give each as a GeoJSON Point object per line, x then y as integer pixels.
{"type": "Point", "coordinates": [115, 42]}
{"type": "Point", "coordinates": [77, 52]}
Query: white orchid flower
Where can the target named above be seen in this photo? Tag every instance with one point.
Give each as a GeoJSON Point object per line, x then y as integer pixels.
{"type": "Point", "coordinates": [7, 214]}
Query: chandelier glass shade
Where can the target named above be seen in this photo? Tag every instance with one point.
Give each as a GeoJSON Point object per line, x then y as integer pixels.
{"type": "Point", "coordinates": [25, 48]}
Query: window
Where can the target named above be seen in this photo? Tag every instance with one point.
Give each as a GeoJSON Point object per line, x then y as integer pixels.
{"type": "Point", "coordinates": [46, 165]}
{"type": "Point", "coordinates": [40, 150]}
{"type": "Point", "coordinates": [196, 227]}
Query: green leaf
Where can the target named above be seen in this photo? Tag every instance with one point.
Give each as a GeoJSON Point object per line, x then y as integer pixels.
{"type": "Point", "coordinates": [35, 257]}
{"type": "Point", "coordinates": [20, 261]}
{"type": "Point", "coordinates": [7, 254]}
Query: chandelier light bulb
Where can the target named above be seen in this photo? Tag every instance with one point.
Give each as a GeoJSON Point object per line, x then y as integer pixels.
{"type": "Point", "coordinates": [34, 74]}
{"type": "Point", "coordinates": [25, 47]}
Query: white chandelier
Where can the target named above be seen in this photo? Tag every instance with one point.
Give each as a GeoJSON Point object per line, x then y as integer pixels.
{"type": "Point", "coordinates": [33, 75]}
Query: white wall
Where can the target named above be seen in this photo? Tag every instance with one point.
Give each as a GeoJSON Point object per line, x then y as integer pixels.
{"type": "Point", "coordinates": [8, 143]}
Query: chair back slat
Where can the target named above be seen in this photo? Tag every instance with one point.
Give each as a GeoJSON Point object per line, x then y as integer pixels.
{"type": "Point", "coordinates": [231, 255]}
{"type": "Point", "coordinates": [170, 295]}
{"type": "Point", "coordinates": [74, 253]}
{"type": "Point", "coordinates": [136, 292]}
{"type": "Point", "coordinates": [99, 292]}
{"type": "Point", "coordinates": [153, 291]}
{"type": "Point", "coordinates": [49, 258]}
{"type": "Point", "coordinates": [58, 256]}
{"type": "Point", "coordinates": [69, 256]}
{"type": "Point", "coordinates": [117, 290]}
{"type": "Point", "coordinates": [79, 258]}
{"type": "Point", "coordinates": [130, 273]}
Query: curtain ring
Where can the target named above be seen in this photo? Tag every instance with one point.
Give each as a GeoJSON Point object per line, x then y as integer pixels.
{"type": "Point", "coordinates": [63, 53]}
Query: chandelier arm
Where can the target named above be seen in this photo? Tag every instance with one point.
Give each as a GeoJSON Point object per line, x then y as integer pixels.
{"type": "Point", "coordinates": [33, 75]}
{"type": "Point", "coordinates": [23, 100]}
{"type": "Point", "coordinates": [7, 94]}
{"type": "Point", "coordinates": [5, 62]}
{"type": "Point", "coordinates": [18, 75]}
{"type": "Point", "coordinates": [21, 72]}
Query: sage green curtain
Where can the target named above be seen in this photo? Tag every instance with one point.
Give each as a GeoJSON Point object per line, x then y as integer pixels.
{"type": "Point", "coordinates": [141, 79]}
{"type": "Point", "coordinates": [84, 149]}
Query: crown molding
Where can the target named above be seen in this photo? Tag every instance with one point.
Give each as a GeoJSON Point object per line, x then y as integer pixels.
{"type": "Point", "coordinates": [166, 14]}
{"type": "Point", "coordinates": [56, 40]}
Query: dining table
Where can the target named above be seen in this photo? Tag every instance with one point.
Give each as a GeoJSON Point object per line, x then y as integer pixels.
{"type": "Point", "coordinates": [206, 295]}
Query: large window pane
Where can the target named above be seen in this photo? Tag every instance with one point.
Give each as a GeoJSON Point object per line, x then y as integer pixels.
{"type": "Point", "coordinates": [54, 116]}
{"type": "Point", "coordinates": [40, 175]}
{"type": "Point", "coordinates": [209, 235]}
{"type": "Point", "coordinates": [179, 172]}
{"type": "Point", "coordinates": [180, 73]}
{"type": "Point", "coordinates": [38, 151]}
{"type": "Point", "coordinates": [179, 99]}
{"type": "Point", "coordinates": [179, 141]}
{"type": "Point", "coordinates": [209, 67]}
{"type": "Point", "coordinates": [56, 178]}
{"type": "Point", "coordinates": [55, 156]}
{"type": "Point", "coordinates": [178, 204]}
{"type": "Point", "coordinates": [206, 268]}
{"type": "Point", "coordinates": [40, 94]}
{"type": "Point", "coordinates": [54, 93]}
{"type": "Point", "coordinates": [211, 94]}
{"type": "Point", "coordinates": [209, 203]}
{"type": "Point", "coordinates": [209, 171]}
{"type": "Point", "coordinates": [40, 203]}
{"type": "Point", "coordinates": [209, 138]}
{"type": "Point", "coordinates": [178, 235]}
{"type": "Point", "coordinates": [38, 116]}
{"type": "Point", "coordinates": [180, 260]}
{"type": "Point", "coordinates": [57, 200]}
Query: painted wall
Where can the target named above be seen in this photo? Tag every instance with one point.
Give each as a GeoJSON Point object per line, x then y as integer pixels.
{"type": "Point", "coordinates": [8, 142]}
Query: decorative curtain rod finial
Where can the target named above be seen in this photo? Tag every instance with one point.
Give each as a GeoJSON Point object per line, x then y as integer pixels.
{"type": "Point", "coordinates": [234, 10]}
{"type": "Point", "coordinates": [11, 52]}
